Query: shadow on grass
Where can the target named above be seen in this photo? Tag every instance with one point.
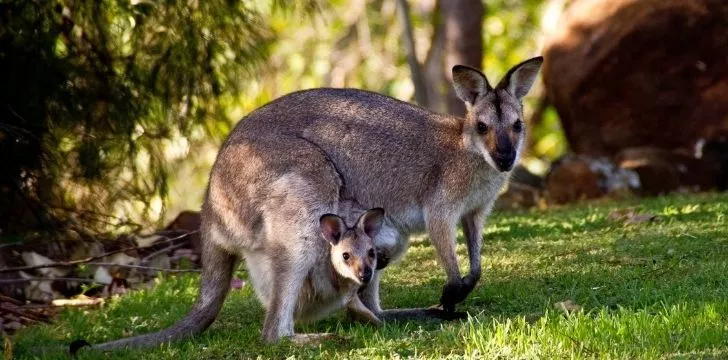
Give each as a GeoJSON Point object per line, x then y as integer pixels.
{"type": "Point", "coordinates": [578, 255]}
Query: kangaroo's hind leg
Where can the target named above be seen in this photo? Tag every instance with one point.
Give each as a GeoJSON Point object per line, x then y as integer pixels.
{"type": "Point", "coordinates": [305, 186]}
{"type": "Point", "coordinates": [289, 274]}
{"type": "Point", "coordinates": [291, 262]}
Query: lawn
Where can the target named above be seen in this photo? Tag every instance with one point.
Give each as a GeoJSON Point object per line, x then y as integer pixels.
{"type": "Point", "coordinates": [647, 290]}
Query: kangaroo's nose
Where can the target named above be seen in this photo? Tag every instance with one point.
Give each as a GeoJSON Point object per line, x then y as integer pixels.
{"type": "Point", "coordinates": [366, 275]}
{"type": "Point", "coordinates": [504, 161]}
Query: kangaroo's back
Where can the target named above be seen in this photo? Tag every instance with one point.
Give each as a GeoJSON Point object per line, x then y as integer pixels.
{"type": "Point", "coordinates": [305, 108]}
{"type": "Point", "coordinates": [374, 141]}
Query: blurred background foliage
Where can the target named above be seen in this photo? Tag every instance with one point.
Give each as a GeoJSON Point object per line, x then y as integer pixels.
{"type": "Point", "coordinates": [111, 111]}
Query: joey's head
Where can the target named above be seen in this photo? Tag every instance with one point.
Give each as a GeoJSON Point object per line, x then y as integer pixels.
{"type": "Point", "coordinates": [352, 249]}
{"type": "Point", "coordinates": [494, 125]}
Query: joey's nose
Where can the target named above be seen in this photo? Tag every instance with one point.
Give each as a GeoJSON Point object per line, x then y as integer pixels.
{"type": "Point", "coordinates": [366, 275]}
{"type": "Point", "coordinates": [504, 161]}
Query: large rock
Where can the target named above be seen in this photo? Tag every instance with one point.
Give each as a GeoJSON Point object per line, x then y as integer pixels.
{"type": "Point", "coordinates": [630, 73]}
{"type": "Point", "coordinates": [581, 177]}
{"type": "Point", "coordinates": [643, 171]}
{"type": "Point", "coordinates": [662, 171]}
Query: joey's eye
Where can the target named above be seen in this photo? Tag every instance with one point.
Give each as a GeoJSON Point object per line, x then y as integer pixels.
{"type": "Point", "coordinates": [346, 256]}
{"type": "Point", "coordinates": [372, 253]}
{"type": "Point", "coordinates": [518, 126]}
{"type": "Point", "coordinates": [482, 128]}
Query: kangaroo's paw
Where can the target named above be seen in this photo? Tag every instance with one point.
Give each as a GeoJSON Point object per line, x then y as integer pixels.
{"type": "Point", "coordinates": [455, 292]}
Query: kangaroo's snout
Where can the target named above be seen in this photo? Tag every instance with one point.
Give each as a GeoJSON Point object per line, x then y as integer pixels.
{"type": "Point", "coordinates": [503, 153]}
{"type": "Point", "coordinates": [504, 161]}
{"type": "Point", "coordinates": [365, 275]}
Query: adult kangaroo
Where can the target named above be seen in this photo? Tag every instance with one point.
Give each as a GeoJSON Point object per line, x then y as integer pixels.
{"type": "Point", "coordinates": [299, 157]}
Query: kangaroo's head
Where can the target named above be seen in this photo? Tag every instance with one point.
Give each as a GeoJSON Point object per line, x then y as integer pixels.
{"type": "Point", "coordinates": [494, 125]}
{"type": "Point", "coordinates": [352, 248]}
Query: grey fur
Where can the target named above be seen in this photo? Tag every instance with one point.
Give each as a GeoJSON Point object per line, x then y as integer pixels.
{"type": "Point", "coordinates": [317, 151]}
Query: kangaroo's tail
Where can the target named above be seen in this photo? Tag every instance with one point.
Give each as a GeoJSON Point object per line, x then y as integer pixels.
{"type": "Point", "coordinates": [217, 269]}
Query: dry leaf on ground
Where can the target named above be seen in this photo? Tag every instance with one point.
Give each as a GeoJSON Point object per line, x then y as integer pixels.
{"type": "Point", "coordinates": [630, 216]}
{"type": "Point", "coordinates": [567, 306]}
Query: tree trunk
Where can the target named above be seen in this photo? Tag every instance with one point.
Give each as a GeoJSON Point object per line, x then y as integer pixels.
{"type": "Point", "coordinates": [418, 79]}
{"type": "Point", "coordinates": [463, 42]}
{"type": "Point", "coordinates": [457, 39]}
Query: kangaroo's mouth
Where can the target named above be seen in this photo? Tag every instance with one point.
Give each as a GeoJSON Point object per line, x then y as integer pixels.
{"type": "Point", "coordinates": [504, 163]}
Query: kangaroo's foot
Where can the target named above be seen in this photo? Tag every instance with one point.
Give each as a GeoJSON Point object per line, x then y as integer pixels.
{"type": "Point", "coordinates": [455, 292]}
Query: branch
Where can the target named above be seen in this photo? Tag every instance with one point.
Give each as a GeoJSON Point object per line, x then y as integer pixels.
{"type": "Point", "coordinates": [21, 314]}
{"type": "Point", "coordinates": [98, 217]}
{"type": "Point", "coordinates": [147, 258]}
{"type": "Point", "coordinates": [10, 244]}
{"type": "Point", "coordinates": [434, 75]}
{"type": "Point", "coordinates": [92, 258]}
{"type": "Point", "coordinates": [22, 280]}
{"type": "Point", "coordinates": [10, 300]}
{"type": "Point", "coordinates": [409, 42]}
{"type": "Point", "coordinates": [145, 267]}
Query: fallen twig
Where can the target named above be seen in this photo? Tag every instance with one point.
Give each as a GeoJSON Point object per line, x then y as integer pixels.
{"type": "Point", "coordinates": [147, 258]}
{"type": "Point", "coordinates": [22, 280]}
{"type": "Point", "coordinates": [10, 244]}
{"type": "Point", "coordinates": [92, 258]}
{"type": "Point", "coordinates": [21, 314]}
{"type": "Point", "coordinates": [10, 300]}
{"type": "Point", "coordinates": [145, 267]}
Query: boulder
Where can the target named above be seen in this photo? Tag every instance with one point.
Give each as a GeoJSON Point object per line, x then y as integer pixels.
{"type": "Point", "coordinates": [663, 171]}
{"type": "Point", "coordinates": [581, 177]}
{"type": "Point", "coordinates": [642, 171]}
{"type": "Point", "coordinates": [632, 73]}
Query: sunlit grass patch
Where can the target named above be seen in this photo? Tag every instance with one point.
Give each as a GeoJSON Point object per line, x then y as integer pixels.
{"type": "Point", "coordinates": [652, 290]}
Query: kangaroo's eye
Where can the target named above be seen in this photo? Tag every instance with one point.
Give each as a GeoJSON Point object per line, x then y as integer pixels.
{"type": "Point", "coordinates": [372, 253]}
{"type": "Point", "coordinates": [482, 128]}
{"type": "Point", "coordinates": [346, 256]}
{"type": "Point", "coordinates": [518, 126]}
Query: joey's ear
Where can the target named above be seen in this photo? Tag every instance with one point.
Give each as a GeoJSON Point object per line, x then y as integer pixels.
{"type": "Point", "coordinates": [371, 222]}
{"type": "Point", "coordinates": [520, 78]}
{"type": "Point", "coordinates": [469, 83]}
{"type": "Point", "coordinates": [332, 228]}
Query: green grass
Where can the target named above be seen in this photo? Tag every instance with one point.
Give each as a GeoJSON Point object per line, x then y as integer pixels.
{"type": "Point", "coordinates": [650, 290]}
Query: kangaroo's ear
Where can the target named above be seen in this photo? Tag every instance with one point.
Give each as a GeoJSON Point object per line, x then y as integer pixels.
{"type": "Point", "coordinates": [469, 83]}
{"type": "Point", "coordinates": [371, 222]}
{"type": "Point", "coordinates": [520, 78]}
{"type": "Point", "coordinates": [332, 228]}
